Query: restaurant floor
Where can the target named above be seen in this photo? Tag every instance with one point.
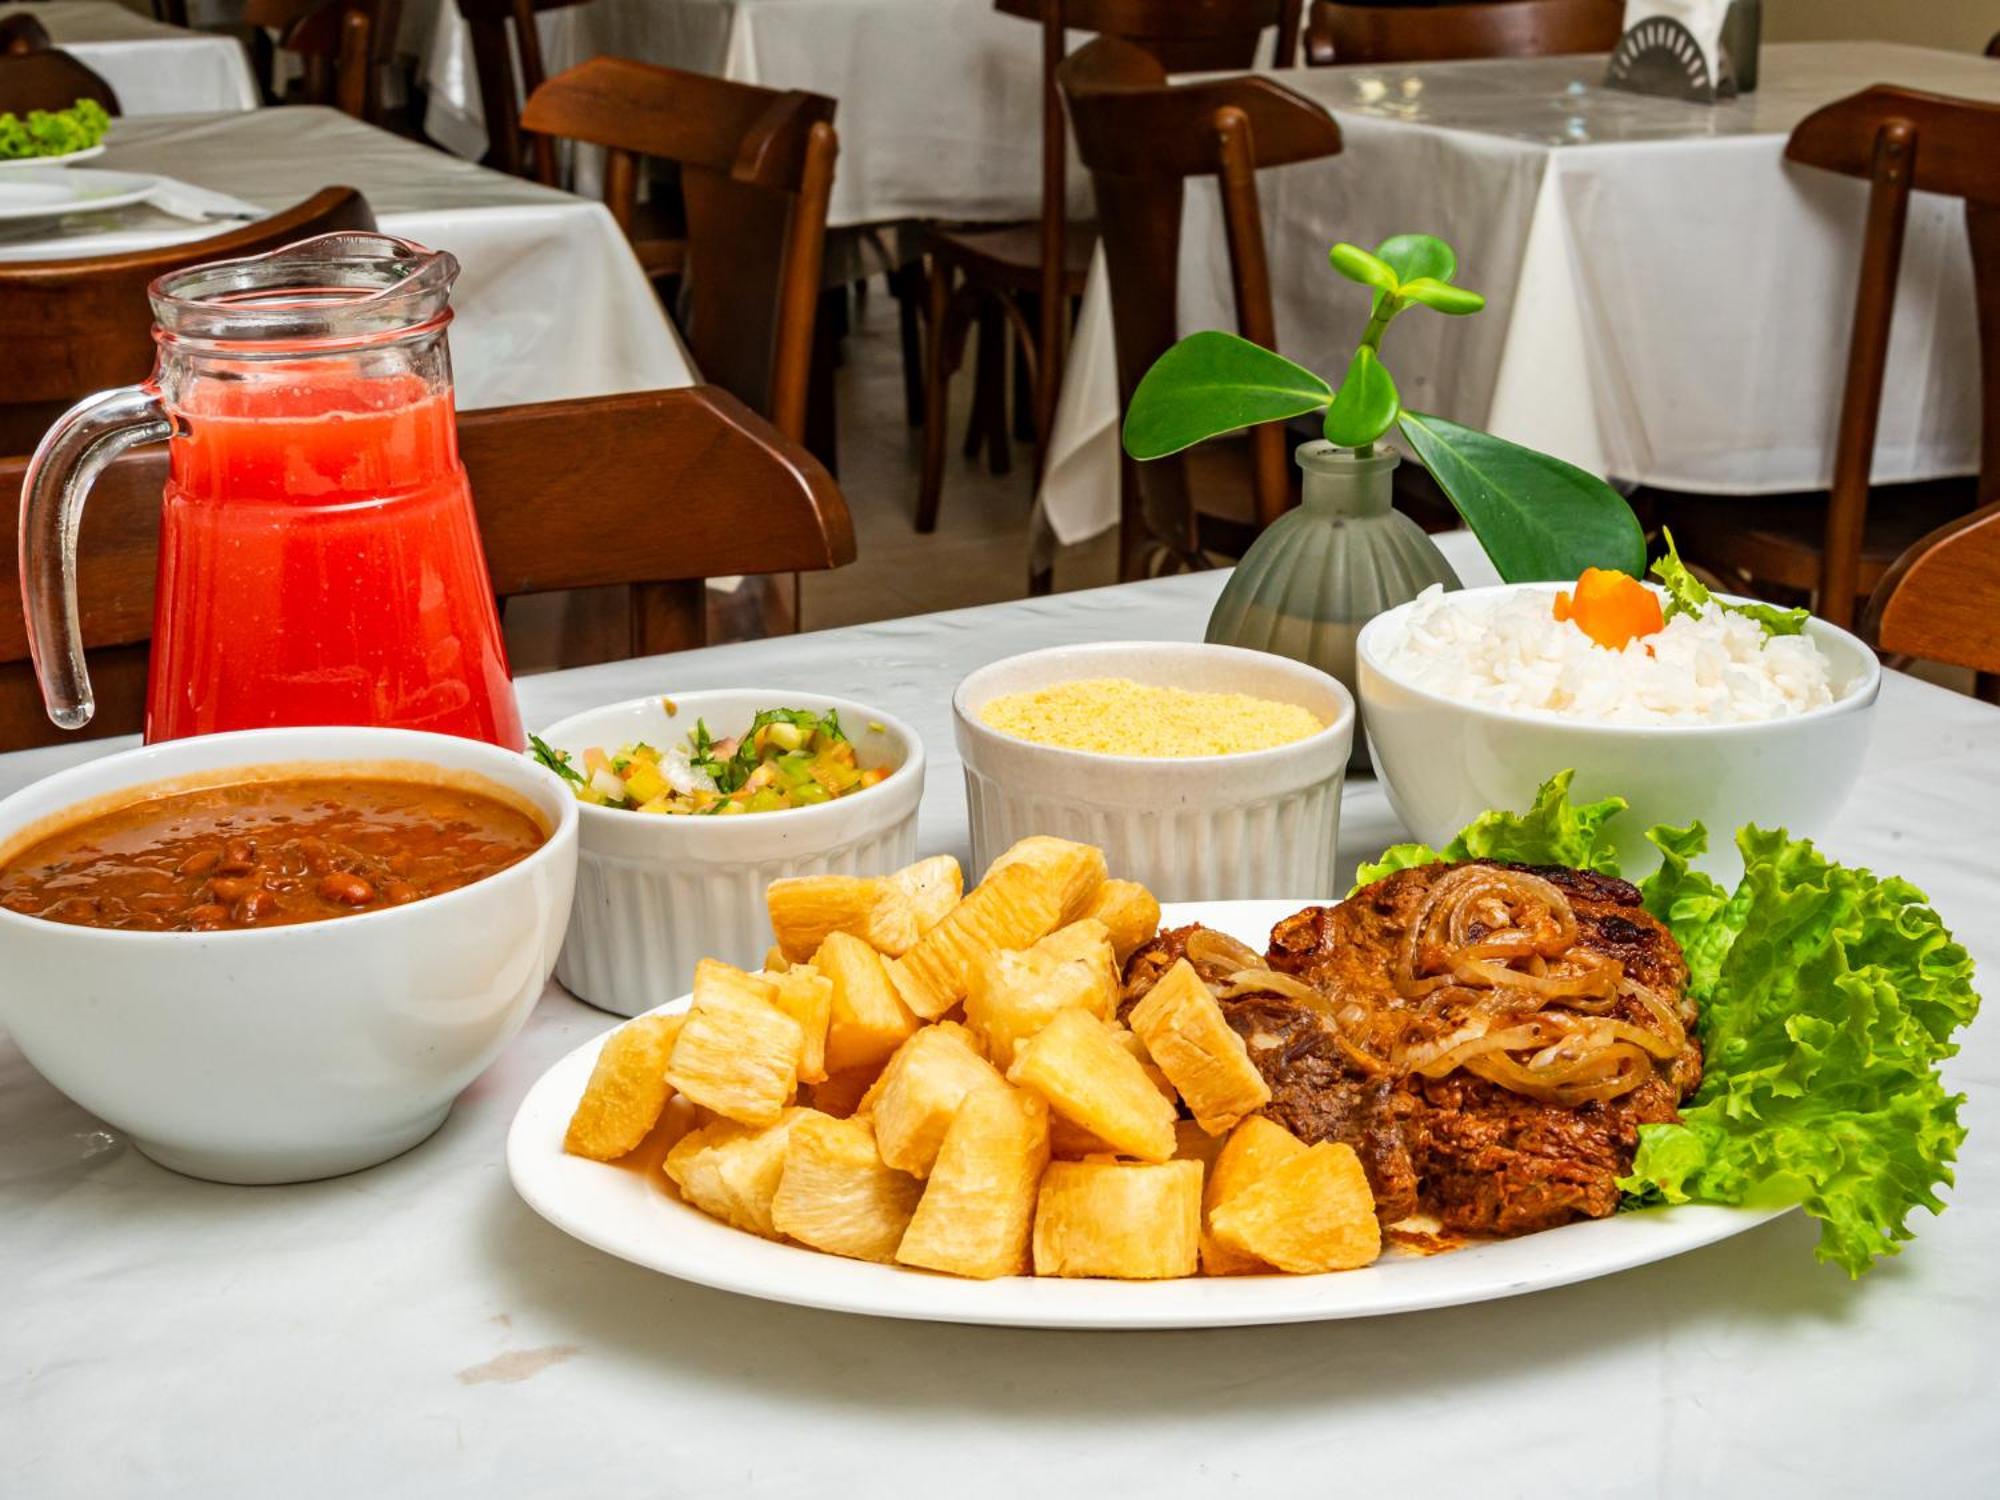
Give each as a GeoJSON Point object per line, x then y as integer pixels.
{"type": "Point", "coordinates": [977, 555]}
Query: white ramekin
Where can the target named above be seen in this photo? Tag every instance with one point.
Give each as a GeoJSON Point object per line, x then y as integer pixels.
{"type": "Point", "coordinates": [656, 894]}
{"type": "Point", "coordinates": [288, 1053]}
{"type": "Point", "coordinates": [1218, 827]}
{"type": "Point", "coordinates": [1444, 761]}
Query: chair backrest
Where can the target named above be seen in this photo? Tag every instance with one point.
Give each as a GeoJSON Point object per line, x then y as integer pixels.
{"type": "Point", "coordinates": [756, 169]}
{"type": "Point", "coordinates": [36, 75]}
{"type": "Point", "coordinates": [625, 461]}
{"type": "Point", "coordinates": [21, 33]}
{"type": "Point", "coordinates": [344, 45]}
{"type": "Point", "coordinates": [73, 327]}
{"type": "Point", "coordinates": [1941, 599]}
{"type": "Point", "coordinates": [1193, 36]}
{"type": "Point", "coordinates": [1901, 141]}
{"type": "Point", "coordinates": [1141, 138]}
{"type": "Point", "coordinates": [1337, 33]}
{"type": "Point", "coordinates": [501, 29]}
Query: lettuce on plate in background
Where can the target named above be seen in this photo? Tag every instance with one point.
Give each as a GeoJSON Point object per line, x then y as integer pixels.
{"type": "Point", "coordinates": [1828, 996]}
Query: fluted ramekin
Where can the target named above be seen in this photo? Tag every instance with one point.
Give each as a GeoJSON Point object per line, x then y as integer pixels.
{"type": "Point", "coordinates": [1262, 823]}
{"type": "Point", "coordinates": [655, 894]}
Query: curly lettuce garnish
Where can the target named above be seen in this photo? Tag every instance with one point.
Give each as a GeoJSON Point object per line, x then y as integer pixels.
{"type": "Point", "coordinates": [52, 132]}
{"type": "Point", "coordinates": [1552, 832]}
{"type": "Point", "coordinates": [1828, 997]}
{"type": "Point", "coordinates": [1688, 595]}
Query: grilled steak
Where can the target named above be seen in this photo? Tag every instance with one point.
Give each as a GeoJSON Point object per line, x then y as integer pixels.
{"type": "Point", "coordinates": [1482, 1157]}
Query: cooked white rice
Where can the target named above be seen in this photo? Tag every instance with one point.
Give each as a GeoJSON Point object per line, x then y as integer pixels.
{"type": "Point", "coordinates": [1509, 651]}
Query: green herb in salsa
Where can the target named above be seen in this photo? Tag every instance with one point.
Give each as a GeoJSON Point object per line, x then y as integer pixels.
{"type": "Point", "coordinates": [788, 757]}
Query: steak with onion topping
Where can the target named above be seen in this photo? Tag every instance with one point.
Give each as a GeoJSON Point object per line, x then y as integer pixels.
{"type": "Point", "coordinates": [1482, 1157]}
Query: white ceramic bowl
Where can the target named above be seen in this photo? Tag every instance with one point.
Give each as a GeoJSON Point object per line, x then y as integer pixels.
{"type": "Point", "coordinates": [1445, 762]}
{"type": "Point", "coordinates": [1208, 828]}
{"type": "Point", "coordinates": [288, 1053]}
{"type": "Point", "coordinates": [656, 894]}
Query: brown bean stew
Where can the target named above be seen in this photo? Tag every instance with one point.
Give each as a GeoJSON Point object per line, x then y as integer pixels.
{"type": "Point", "coordinates": [266, 854]}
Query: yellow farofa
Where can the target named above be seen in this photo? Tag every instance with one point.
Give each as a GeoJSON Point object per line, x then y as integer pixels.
{"type": "Point", "coordinates": [1116, 716]}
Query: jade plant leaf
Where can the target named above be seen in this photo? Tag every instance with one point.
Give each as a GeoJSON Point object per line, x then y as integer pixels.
{"type": "Point", "coordinates": [1366, 404]}
{"type": "Point", "coordinates": [1537, 517]}
{"type": "Point", "coordinates": [1211, 383]}
{"type": "Point", "coordinates": [1413, 256]}
{"type": "Point", "coordinates": [1357, 264]}
{"type": "Point", "coordinates": [1441, 296]}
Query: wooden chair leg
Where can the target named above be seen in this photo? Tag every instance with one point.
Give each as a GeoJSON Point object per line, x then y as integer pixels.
{"type": "Point", "coordinates": [937, 395]}
{"type": "Point", "coordinates": [822, 434]}
{"type": "Point", "coordinates": [907, 283]}
{"type": "Point", "coordinates": [1024, 389]}
{"type": "Point", "coordinates": [988, 425]}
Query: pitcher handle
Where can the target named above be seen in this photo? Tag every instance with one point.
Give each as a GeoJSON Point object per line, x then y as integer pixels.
{"type": "Point", "coordinates": [66, 463]}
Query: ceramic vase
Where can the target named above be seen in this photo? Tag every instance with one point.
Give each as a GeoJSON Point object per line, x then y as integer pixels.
{"type": "Point", "coordinates": [1322, 571]}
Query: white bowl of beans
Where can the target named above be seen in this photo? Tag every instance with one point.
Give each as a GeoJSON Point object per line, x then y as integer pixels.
{"type": "Point", "coordinates": [280, 954]}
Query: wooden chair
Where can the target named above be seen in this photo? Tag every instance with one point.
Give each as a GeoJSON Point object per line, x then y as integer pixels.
{"type": "Point", "coordinates": [501, 31]}
{"type": "Point", "coordinates": [1901, 142]}
{"type": "Point", "coordinates": [623, 462]}
{"type": "Point", "coordinates": [35, 74]}
{"type": "Point", "coordinates": [1338, 33]}
{"type": "Point", "coordinates": [996, 273]}
{"type": "Point", "coordinates": [1141, 140]}
{"type": "Point", "coordinates": [72, 327]}
{"type": "Point", "coordinates": [344, 45]}
{"type": "Point", "coordinates": [1940, 601]}
{"type": "Point", "coordinates": [756, 171]}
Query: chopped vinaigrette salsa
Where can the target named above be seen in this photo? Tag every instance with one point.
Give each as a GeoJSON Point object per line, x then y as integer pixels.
{"type": "Point", "coordinates": [788, 757]}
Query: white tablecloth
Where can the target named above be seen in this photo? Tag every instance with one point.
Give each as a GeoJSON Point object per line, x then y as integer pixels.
{"type": "Point", "coordinates": [154, 69]}
{"type": "Point", "coordinates": [1668, 301]}
{"type": "Point", "coordinates": [940, 100]}
{"type": "Point", "coordinates": [550, 301]}
{"type": "Point", "coordinates": [416, 1331]}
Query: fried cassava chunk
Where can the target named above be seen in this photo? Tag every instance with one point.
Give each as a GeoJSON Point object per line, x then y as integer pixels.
{"type": "Point", "coordinates": [979, 1204]}
{"type": "Point", "coordinates": [1310, 1214]}
{"type": "Point", "coordinates": [1254, 1148]}
{"type": "Point", "coordinates": [627, 1090]}
{"type": "Point", "coordinates": [1011, 908]}
{"type": "Point", "coordinates": [914, 1100]}
{"type": "Point", "coordinates": [1012, 995]}
{"type": "Point", "coordinates": [738, 1055]}
{"type": "Point", "coordinates": [838, 1195]}
{"type": "Point", "coordinates": [732, 1171]}
{"type": "Point", "coordinates": [806, 995]}
{"type": "Point", "coordinates": [1090, 1079]}
{"type": "Point", "coordinates": [1129, 913]}
{"type": "Point", "coordinates": [1131, 1220]}
{"type": "Point", "coordinates": [806, 908]}
{"type": "Point", "coordinates": [868, 1020]}
{"type": "Point", "coordinates": [1190, 1040]}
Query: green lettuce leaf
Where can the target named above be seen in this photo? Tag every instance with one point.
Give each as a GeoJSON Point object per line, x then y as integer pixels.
{"type": "Point", "coordinates": [1688, 595]}
{"type": "Point", "coordinates": [1828, 997]}
{"type": "Point", "coordinates": [1552, 832]}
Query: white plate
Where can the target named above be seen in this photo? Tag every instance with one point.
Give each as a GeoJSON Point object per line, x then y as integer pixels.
{"type": "Point", "coordinates": [620, 1211]}
{"type": "Point", "coordinates": [88, 153]}
{"type": "Point", "coordinates": [52, 192]}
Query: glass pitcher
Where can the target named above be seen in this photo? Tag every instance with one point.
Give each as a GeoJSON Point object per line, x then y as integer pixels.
{"type": "Point", "coordinates": [319, 557]}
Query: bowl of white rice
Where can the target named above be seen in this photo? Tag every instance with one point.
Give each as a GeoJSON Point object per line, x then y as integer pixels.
{"type": "Point", "coordinates": [1472, 699]}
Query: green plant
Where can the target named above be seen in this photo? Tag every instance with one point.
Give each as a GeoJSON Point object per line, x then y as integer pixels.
{"type": "Point", "coordinates": [1536, 516]}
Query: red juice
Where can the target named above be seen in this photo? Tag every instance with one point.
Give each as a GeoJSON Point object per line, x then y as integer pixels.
{"type": "Point", "coordinates": [320, 563]}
